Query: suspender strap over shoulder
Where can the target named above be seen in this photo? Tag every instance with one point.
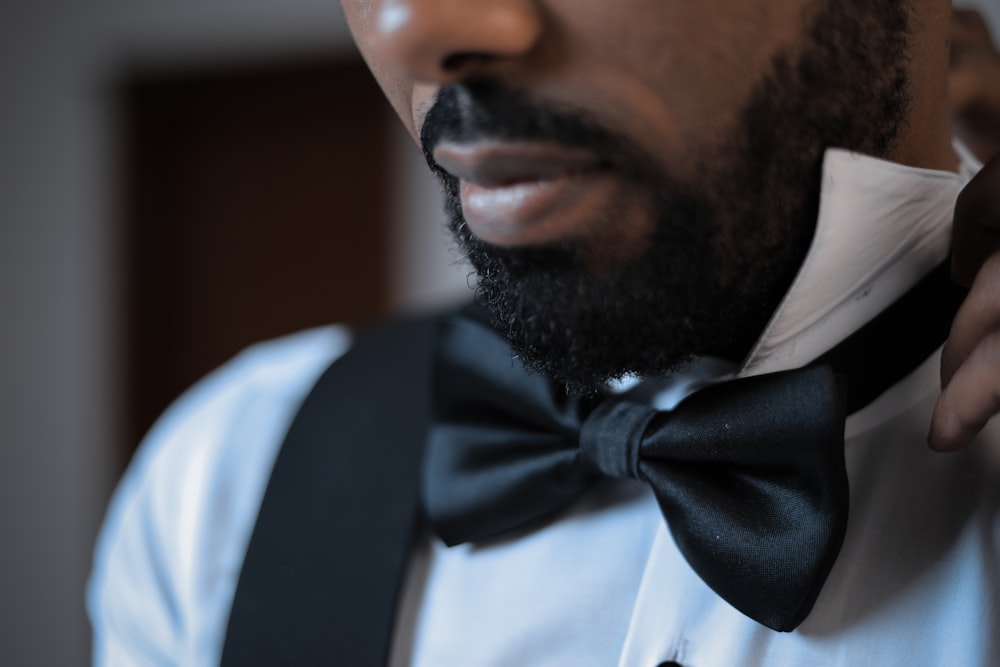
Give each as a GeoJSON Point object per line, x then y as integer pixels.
{"type": "Point", "coordinates": [325, 563]}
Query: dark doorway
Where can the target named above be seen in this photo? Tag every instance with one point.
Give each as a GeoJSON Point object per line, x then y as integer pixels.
{"type": "Point", "coordinates": [256, 204]}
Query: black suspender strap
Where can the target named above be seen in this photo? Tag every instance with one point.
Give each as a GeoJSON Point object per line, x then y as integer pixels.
{"type": "Point", "coordinates": [321, 577]}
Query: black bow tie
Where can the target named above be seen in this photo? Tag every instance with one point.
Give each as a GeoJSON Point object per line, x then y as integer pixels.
{"type": "Point", "coordinates": [749, 473]}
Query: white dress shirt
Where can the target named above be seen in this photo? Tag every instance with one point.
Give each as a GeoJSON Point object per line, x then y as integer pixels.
{"type": "Point", "coordinates": [917, 581]}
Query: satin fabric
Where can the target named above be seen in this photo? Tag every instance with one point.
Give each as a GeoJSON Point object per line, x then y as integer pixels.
{"type": "Point", "coordinates": [749, 474]}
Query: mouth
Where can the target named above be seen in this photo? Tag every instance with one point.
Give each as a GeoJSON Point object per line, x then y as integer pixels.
{"type": "Point", "coordinates": [522, 193]}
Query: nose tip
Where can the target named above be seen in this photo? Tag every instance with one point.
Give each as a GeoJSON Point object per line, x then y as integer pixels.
{"type": "Point", "coordinates": [440, 41]}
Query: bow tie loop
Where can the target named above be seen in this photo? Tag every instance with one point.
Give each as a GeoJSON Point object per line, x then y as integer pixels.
{"type": "Point", "coordinates": [502, 453]}
{"type": "Point", "coordinates": [749, 475]}
{"type": "Point", "coordinates": [751, 478]}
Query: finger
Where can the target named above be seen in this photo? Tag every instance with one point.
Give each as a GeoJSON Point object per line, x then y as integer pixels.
{"type": "Point", "coordinates": [970, 399]}
{"type": "Point", "coordinates": [977, 318]}
{"type": "Point", "coordinates": [976, 231]}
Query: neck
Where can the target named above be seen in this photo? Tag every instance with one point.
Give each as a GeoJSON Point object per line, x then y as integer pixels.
{"type": "Point", "coordinates": [926, 139]}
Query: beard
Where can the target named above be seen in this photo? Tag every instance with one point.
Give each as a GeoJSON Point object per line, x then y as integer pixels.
{"type": "Point", "coordinates": [722, 252]}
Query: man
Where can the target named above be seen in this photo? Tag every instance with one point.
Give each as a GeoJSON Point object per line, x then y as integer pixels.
{"type": "Point", "coordinates": [657, 197]}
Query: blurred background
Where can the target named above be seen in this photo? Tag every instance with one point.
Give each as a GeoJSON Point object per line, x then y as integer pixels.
{"type": "Point", "coordinates": [177, 180]}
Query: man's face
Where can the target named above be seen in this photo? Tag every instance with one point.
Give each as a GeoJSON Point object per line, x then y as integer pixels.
{"type": "Point", "coordinates": [636, 181]}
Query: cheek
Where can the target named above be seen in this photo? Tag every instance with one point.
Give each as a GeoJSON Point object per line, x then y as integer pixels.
{"type": "Point", "coordinates": [401, 95]}
{"type": "Point", "coordinates": [398, 90]}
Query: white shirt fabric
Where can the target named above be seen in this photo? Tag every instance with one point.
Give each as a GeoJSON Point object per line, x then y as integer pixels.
{"type": "Point", "coordinates": [917, 581]}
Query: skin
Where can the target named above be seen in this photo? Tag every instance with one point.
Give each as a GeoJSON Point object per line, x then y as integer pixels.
{"type": "Point", "coordinates": [970, 363]}
{"type": "Point", "coordinates": [644, 267]}
{"type": "Point", "coordinates": [672, 76]}
{"type": "Point", "coordinates": [587, 55]}
{"type": "Point", "coordinates": [669, 75]}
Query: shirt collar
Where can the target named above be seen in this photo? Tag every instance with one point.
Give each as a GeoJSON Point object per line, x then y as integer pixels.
{"type": "Point", "coordinates": [882, 226]}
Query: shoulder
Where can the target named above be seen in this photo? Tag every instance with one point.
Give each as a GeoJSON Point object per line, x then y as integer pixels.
{"type": "Point", "coordinates": [248, 395]}
{"type": "Point", "coordinates": [170, 551]}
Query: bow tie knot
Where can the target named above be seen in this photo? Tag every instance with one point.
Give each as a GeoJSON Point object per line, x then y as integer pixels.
{"type": "Point", "coordinates": [611, 436]}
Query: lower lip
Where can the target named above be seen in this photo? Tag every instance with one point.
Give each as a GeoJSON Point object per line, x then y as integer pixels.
{"type": "Point", "coordinates": [539, 212]}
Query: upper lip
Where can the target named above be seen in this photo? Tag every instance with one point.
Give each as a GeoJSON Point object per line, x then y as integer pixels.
{"type": "Point", "coordinates": [498, 163]}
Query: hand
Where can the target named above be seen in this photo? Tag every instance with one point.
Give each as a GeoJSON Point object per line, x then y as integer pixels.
{"type": "Point", "coordinates": [970, 362]}
{"type": "Point", "coordinates": [974, 84]}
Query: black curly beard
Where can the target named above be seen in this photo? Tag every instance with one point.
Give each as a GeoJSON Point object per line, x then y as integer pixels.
{"type": "Point", "coordinates": [723, 251]}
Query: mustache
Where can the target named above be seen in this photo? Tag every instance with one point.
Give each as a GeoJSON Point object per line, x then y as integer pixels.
{"type": "Point", "coordinates": [485, 109]}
